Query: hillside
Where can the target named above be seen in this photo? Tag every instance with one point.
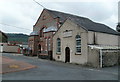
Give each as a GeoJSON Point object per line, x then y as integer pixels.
{"type": "Point", "coordinates": [17, 37]}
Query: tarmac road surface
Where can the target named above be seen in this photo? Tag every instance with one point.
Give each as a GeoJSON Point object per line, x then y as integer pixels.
{"type": "Point", "coordinates": [52, 70]}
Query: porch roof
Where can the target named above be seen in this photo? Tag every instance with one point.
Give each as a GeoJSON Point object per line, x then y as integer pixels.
{"type": "Point", "coordinates": [104, 47]}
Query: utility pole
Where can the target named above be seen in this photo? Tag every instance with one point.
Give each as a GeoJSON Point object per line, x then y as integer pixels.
{"type": "Point", "coordinates": [118, 25]}
{"type": "Point", "coordinates": [118, 29]}
{"type": "Point", "coordinates": [119, 12]}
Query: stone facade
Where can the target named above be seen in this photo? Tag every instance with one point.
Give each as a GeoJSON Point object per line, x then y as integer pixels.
{"type": "Point", "coordinates": [68, 27]}
{"type": "Point", "coordinates": [87, 55]}
{"type": "Point", "coordinates": [80, 58]}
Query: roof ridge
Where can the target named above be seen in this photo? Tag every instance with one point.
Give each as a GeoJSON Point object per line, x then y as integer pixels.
{"type": "Point", "coordinates": [68, 14]}
{"type": "Point", "coordinates": [84, 21]}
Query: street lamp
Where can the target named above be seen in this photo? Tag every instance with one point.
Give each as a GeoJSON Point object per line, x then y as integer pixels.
{"type": "Point", "coordinates": [118, 27]}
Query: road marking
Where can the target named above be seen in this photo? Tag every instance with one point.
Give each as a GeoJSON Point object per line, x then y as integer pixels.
{"type": "Point", "coordinates": [85, 69]}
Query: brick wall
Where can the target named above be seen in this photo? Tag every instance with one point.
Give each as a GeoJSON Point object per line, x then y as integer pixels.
{"type": "Point", "coordinates": [44, 21]}
{"type": "Point", "coordinates": [33, 44]}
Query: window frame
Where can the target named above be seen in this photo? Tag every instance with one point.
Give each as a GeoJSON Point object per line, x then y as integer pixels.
{"type": "Point", "coordinates": [58, 46]}
{"type": "Point", "coordinates": [78, 44]}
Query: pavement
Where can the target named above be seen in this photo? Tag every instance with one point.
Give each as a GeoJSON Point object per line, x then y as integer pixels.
{"type": "Point", "coordinates": [52, 70]}
{"type": "Point", "coordinates": [12, 65]}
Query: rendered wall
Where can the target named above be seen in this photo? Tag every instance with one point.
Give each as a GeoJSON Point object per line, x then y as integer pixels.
{"type": "Point", "coordinates": [7, 48]}
{"type": "Point", "coordinates": [70, 42]}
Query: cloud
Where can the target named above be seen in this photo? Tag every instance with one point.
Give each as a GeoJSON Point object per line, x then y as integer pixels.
{"type": "Point", "coordinates": [119, 12]}
{"type": "Point", "coordinates": [96, 10]}
{"type": "Point", "coordinates": [18, 13]}
{"type": "Point", "coordinates": [24, 13]}
{"type": "Point", "coordinates": [102, 12]}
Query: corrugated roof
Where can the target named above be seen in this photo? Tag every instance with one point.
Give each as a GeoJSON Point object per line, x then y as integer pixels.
{"type": "Point", "coordinates": [104, 47]}
{"type": "Point", "coordinates": [84, 22]}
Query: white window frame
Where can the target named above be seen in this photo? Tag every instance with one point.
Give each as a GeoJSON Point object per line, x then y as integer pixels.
{"type": "Point", "coordinates": [58, 48]}
{"type": "Point", "coordinates": [78, 39]}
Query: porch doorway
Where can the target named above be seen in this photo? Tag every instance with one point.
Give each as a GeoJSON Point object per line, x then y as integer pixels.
{"type": "Point", "coordinates": [39, 48]}
{"type": "Point", "coordinates": [67, 54]}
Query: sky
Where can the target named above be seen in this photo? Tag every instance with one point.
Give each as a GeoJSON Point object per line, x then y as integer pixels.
{"type": "Point", "coordinates": [19, 16]}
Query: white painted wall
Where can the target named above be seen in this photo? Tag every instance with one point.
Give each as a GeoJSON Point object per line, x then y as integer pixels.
{"type": "Point", "coordinates": [71, 43]}
{"type": "Point", "coordinates": [103, 38]}
{"type": "Point", "coordinates": [7, 48]}
{"type": "Point", "coordinates": [1, 47]}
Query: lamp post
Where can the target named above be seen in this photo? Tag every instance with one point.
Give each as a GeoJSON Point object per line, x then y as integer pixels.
{"type": "Point", "coordinates": [118, 27]}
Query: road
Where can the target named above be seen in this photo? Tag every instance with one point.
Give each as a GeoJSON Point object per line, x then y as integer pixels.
{"type": "Point", "coordinates": [52, 70]}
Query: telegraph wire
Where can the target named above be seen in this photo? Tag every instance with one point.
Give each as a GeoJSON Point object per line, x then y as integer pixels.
{"type": "Point", "coordinates": [14, 26]}
{"type": "Point", "coordinates": [21, 27]}
{"type": "Point", "coordinates": [39, 4]}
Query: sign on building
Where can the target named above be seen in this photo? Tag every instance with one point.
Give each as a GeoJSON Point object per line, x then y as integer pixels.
{"type": "Point", "coordinates": [67, 33]}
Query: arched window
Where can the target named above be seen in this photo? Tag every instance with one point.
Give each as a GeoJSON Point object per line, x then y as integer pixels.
{"type": "Point", "coordinates": [58, 45]}
{"type": "Point", "coordinates": [49, 43]}
{"type": "Point", "coordinates": [39, 48]}
{"type": "Point", "coordinates": [42, 32]}
{"type": "Point", "coordinates": [78, 43]}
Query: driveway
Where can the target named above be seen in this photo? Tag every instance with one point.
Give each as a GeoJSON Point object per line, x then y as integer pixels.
{"type": "Point", "coordinates": [52, 70]}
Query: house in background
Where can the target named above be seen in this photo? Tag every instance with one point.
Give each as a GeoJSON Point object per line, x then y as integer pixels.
{"type": "Point", "coordinates": [3, 40]}
{"type": "Point", "coordinates": [18, 39]}
{"type": "Point", "coordinates": [12, 42]}
{"type": "Point", "coordinates": [4, 46]}
{"type": "Point", "coordinates": [3, 37]}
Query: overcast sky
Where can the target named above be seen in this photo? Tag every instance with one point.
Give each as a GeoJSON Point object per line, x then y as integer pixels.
{"type": "Point", "coordinates": [24, 13]}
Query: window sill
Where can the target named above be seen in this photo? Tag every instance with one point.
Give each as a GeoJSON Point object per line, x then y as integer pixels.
{"type": "Point", "coordinates": [78, 53]}
{"type": "Point", "coordinates": [58, 53]}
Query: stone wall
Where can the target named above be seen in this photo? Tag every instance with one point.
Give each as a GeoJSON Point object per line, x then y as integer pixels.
{"type": "Point", "coordinates": [110, 58]}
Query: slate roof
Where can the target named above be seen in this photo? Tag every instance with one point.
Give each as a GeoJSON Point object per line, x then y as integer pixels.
{"type": "Point", "coordinates": [50, 29]}
{"type": "Point", "coordinates": [34, 33]}
{"type": "Point", "coordinates": [3, 34]}
{"type": "Point", "coordinates": [83, 22]}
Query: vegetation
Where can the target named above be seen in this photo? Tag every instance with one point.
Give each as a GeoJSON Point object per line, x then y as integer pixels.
{"type": "Point", "coordinates": [17, 37]}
